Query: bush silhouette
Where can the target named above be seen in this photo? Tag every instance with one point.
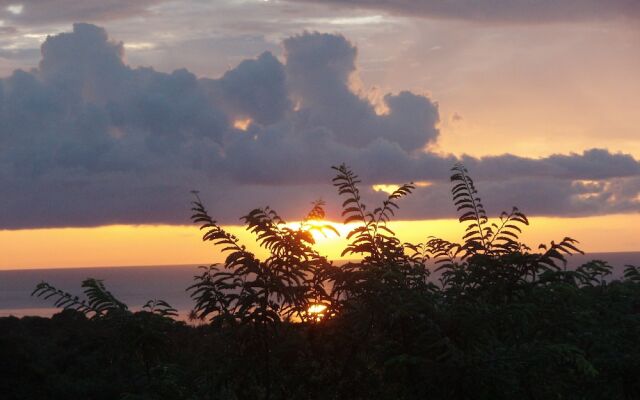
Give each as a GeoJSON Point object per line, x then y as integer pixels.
{"type": "Point", "coordinates": [486, 318]}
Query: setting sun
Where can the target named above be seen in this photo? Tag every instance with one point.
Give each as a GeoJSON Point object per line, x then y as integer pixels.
{"type": "Point", "coordinates": [317, 312]}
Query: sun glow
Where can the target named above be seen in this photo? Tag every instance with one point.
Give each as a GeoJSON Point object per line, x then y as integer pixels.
{"type": "Point", "coordinates": [122, 245]}
{"type": "Point", "coordinates": [322, 230]}
{"type": "Point", "coordinates": [139, 46]}
{"type": "Point", "coordinates": [316, 312]}
{"type": "Point", "coordinates": [316, 308]}
{"type": "Point", "coordinates": [242, 124]}
{"type": "Point", "coordinates": [392, 187]}
{"type": "Point", "coordinates": [387, 188]}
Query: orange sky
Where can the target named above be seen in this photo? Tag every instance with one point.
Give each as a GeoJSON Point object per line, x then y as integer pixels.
{"type": "Point", "coordinates": [127, 245]}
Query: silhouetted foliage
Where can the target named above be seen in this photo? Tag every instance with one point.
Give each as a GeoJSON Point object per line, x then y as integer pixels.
{"type": "Point", "coordinates": [160, 307]}
{"type": "Point", "coordinates": [486, 318]}
{"type": "Point", "coordinates": [247, 289]}
{"type": "Point", "coordinates": [99, 303]}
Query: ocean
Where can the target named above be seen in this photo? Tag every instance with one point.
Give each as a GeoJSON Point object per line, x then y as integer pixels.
{"type": "Point", "coordinates": [136, 285]}
{"type": "Point", "coordinates": [132, 285]}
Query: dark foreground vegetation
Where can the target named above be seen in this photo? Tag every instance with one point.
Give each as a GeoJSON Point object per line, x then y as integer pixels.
{"type": "Point", "coordinates": [500, 321]}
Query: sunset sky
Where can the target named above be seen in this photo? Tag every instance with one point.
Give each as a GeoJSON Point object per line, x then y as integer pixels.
{"type": "Point", "coordinates": [112, 111]}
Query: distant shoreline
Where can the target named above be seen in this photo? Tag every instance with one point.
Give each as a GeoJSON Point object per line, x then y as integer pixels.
{"type": "Point", "coordinates": [136, 284]}
{"type": "Point", "coordinates": [605, 255]}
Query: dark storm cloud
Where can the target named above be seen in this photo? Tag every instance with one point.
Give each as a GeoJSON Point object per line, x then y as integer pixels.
{"type": "Point", "coordinates": [87, 140]}
{"type": "Point", "coordinates": [518, 11]}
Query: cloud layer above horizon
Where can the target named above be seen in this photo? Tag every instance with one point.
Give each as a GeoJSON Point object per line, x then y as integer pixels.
{"type": "Point", "coordinates": [506, 11]}
{"type": "Point", "coordinates": [87, 140]}
{"type": "Point", "coordinates": [496, 11]}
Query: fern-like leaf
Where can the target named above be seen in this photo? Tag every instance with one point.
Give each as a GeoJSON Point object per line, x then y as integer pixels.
{"type": "Point", "coordinates": [99, 303]}
{"type": "Point", "coordinates": [472, 212]}
{"type": "Point", "coordinates": [161, 308]}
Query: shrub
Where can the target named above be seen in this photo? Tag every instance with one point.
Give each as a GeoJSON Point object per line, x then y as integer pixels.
{"type": "Point", "coordinates": [486, 318]}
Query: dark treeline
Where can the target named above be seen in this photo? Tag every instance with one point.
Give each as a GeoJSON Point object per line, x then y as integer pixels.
{"type": "Point", "coordinates": [500, 321]}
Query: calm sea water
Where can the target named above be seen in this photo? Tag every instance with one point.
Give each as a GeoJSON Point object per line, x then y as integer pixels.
{"type": "Point", "coordinates": [136, 285]}
{"type": "Point", "coordinates": [133, 285]}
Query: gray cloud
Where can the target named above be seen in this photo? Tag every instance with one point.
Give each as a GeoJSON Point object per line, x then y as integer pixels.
{"type": "Point", "coordinates": [534, 196]}
{"type": "Point", "coordinates": [319, 67]}
{"type": "Point", "coordinates": [255, 89]}
{"type": "Point", "coordinates": [45, 11]}
{"type": "Point", "coordinates": [8, 30]}
{"type": "Point", "coordinates": [87, 140]}
{"type": "Point", "coordinates": [18, 54]}
{"type": "Point", "coordinates": [518, 11]}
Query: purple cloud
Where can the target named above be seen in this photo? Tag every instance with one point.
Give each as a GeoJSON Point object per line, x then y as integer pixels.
{"type": "Point", "coordinates": [87, 140]}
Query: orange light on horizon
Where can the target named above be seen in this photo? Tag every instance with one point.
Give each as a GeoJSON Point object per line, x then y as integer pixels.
{"type": "Point", "coordinates": [130, 245]}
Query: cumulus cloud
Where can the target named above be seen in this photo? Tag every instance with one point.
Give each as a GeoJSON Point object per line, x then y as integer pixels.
{"type": "Point", "coordinates": [87, 140]}
{"type": "Point", "coordinates": [254, 89]}
{"type": "Point", "coordinates": [520, 11]}
{"type": "Point", "coordinates": [319, 67]}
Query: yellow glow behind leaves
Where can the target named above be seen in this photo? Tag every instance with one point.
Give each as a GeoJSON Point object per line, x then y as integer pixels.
{"type": "Point", "coordinates": [316, 308]}
{"type": "Point", "coordinates": [122, 245]}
